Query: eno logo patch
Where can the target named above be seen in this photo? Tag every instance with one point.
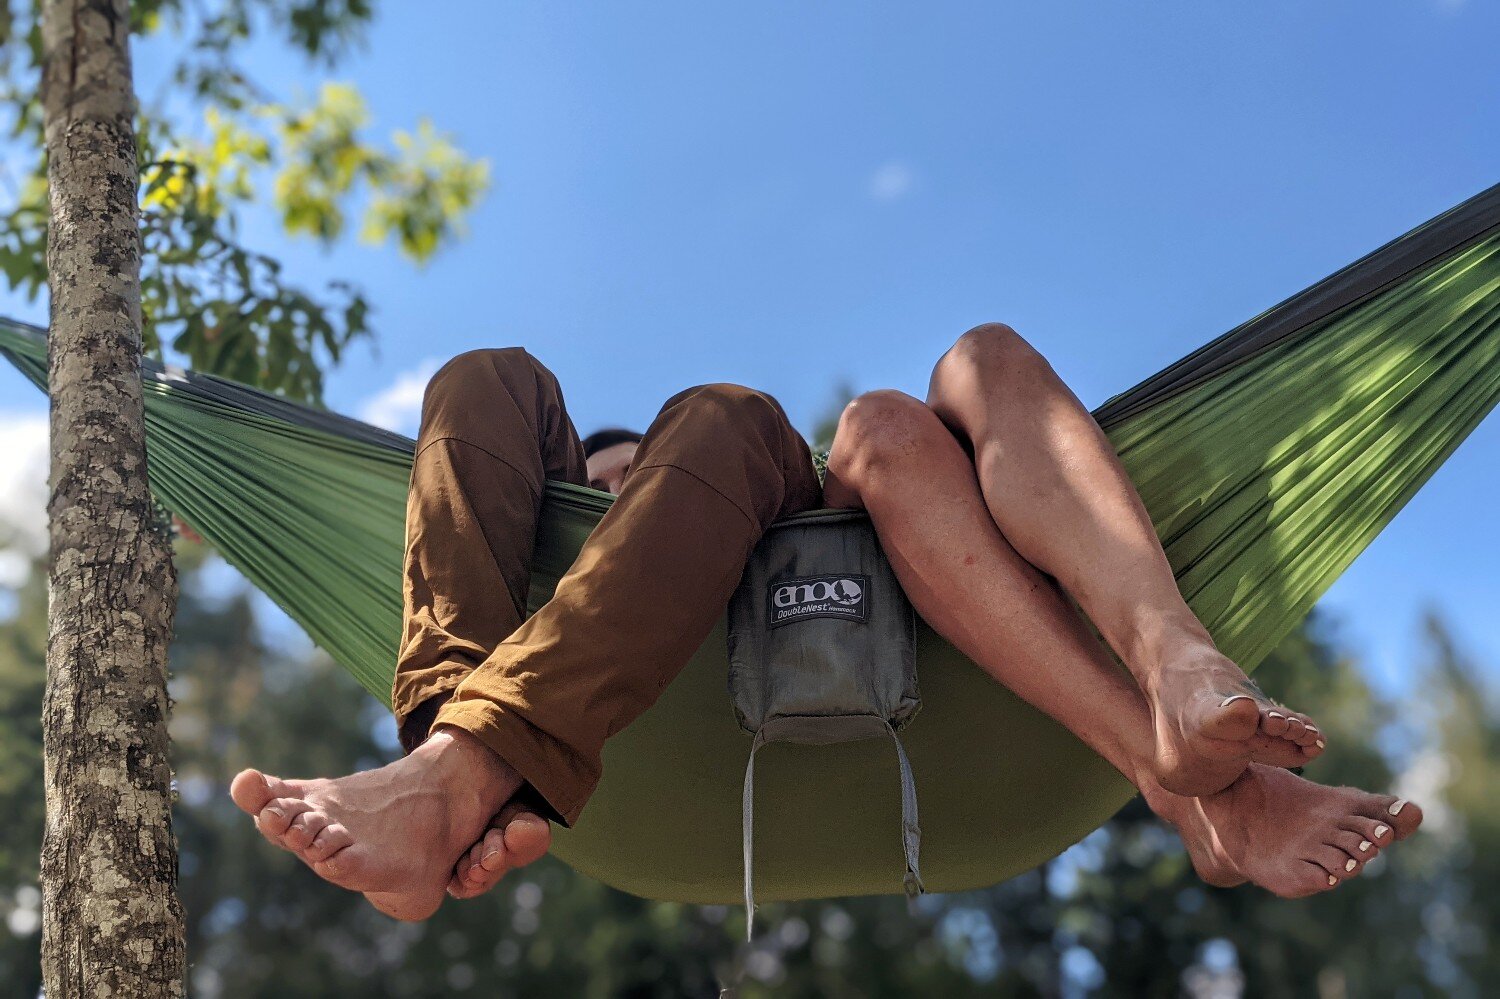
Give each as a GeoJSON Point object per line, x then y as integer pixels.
{"type": "Point", "coordinates": [842, 596]}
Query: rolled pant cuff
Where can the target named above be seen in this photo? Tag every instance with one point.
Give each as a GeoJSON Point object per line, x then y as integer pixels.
{"type": "Point", "coordinates": [526, 749]}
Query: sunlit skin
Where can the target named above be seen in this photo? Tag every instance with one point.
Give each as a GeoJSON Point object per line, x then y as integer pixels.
{"type": "Point", "coordinates": [1004, 511]}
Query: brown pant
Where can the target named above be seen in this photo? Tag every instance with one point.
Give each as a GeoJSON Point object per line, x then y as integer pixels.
{"type": "Point", "coordinates": [718, 465]}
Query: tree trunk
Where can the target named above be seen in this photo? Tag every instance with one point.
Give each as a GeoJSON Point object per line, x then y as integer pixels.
{"type": "Point", "coordinates": [111, 921]}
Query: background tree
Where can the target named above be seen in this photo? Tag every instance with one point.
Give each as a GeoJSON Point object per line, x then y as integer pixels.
{"type": "Point", "coordinates": [221, 307]}
{"type": "Point", "coordinates": [215, 145]}
{"type": "Point", "coordinates": [111, 920]}
{"type": "Point", "coordinates": [1119, 915]}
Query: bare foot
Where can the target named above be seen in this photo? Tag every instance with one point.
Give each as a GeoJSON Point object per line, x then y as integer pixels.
{"type": "Point", "coordinates": [394, 833]}
{"type": "Point", "coordinates": [517, 837]}
{"type": "Point", "coordinates": [1211, 722]}
{"type": "Point", "coordinates": [1288, 835]}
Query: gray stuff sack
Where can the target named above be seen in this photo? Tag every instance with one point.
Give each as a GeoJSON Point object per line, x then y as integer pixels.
{"type": "Point", "coordinates": [822, 650]}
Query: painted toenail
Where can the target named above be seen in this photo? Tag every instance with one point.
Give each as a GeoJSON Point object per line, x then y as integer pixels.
{"type": "Point", "coordinates": [1332, 880]}
{"type": "Point", "coordinates": [1381, 831]}
{"type": "Point", "coordinates": [1396, 808]}
{"type": "Point", "coordinates": [1351, 864]}
{"type": "Point", "coordinates": [1364, 846]}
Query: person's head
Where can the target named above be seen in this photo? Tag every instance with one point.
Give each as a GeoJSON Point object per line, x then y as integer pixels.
{"type": "Point", "coordinates": [609, 453]}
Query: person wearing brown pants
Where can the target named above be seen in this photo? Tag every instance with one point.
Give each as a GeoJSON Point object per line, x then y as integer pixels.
{"type": "Point", "coordinates": [994, 498]}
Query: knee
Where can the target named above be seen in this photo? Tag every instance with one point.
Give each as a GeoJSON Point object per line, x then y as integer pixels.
{"type": "Point", "coordinates": [989, 351]}
{"type": "Point", "coordinates": [877, 429]}
{"type": "Point", "coordinates": [723, 411]}
{"type": "Point", "coordinates": [481, 370]}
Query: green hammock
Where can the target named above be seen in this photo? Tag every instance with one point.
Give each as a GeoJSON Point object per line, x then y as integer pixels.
{"type": "Point", "coordinates": [1269, 459]}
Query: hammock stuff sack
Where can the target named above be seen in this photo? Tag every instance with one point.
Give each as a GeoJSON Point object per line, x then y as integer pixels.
{"type": "Point", "coordinates": [822, 651]}
{"type": "Point", "coordinates": [1268, 460]}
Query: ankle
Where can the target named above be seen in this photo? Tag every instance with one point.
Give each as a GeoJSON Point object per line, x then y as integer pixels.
{"type": "Point", "coordinates": [1180, 656]}
{"type": "Point", "coordinates": [462, 762]}
{"type": "Point", "coordinates": [1172, 809]}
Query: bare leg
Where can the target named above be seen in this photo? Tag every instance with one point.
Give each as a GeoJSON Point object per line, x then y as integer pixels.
{"type": "Point", "coordinates": [1055, 488]}
{"type": "Point", "coordinates": [893, 457]}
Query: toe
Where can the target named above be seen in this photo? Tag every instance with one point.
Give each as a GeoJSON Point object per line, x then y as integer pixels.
{"type": "Point", "coordinates": [1234, 719]}
{"type": "Point", "coordinates": [1276, 752]}
{"type": "Point", "coordinates": [1357, 846]}
{"type": "Point", "coordinates": [304, 829]}
{"type": "Point", "coordinates": [347, 868]}
{"type": "Point", "coordinates": [527, 837]}
{"type": "Point", "coordinates": [1334, 861]}
{"type": "Point", "coordinates": [490, 854]}
{"type": "Point", "coordinates": [1378, 832]}
{"type": "Point", "coordinates": [489, 862]}
{"type": "Point", "coordinates": [328, 842]}
{"type": "Point", "coordinates": [1310, 879]}
{"type": "Point", "coordinates": [1405, 815]}
{"type": "Point", "coordinates": [277, 816]}
{"type": "Point", "coordinates": [1367, 835]}
{"type": "Point", "coordinates": [253, 790]}
{"type": "Point", "coordinates": [1273, 723]}
{"type": "Point", "coordinates": [1296, 729]}
{"type": "Point", "coordinates": [517, 838]}
{"type": "Point", "coordinates": [470, 879]}
{"type": "Point", "coordinates": [1310, 733]}
{"type": "Point", "coordinates": [1401, 815]}
{"type": "Point", "coordinates": [460, 873]}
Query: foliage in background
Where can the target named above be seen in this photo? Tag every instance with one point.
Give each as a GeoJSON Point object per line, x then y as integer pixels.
{"type": "Point", "coordinates": [213, 146]}
{"type": "Point", "coordinates": [1119, 915]}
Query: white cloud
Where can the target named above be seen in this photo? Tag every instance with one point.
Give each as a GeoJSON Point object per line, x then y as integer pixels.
{"type": "Point", "coordinates": [23, 494]}
{"type": "Point", "coordinates": [892, 181]}
{"type": "Point", "coordinates": [399, 407]}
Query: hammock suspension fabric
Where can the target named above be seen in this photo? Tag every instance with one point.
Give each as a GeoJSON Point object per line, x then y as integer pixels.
{"type": "Point", "coordinates": [1268, 459]}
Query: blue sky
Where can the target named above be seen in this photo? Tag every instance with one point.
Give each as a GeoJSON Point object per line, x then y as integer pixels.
{"type": "Point", "coordinates": [795, 195]}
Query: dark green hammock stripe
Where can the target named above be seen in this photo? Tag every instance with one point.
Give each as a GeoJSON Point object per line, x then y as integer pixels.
{"type": "Point", "coordinates": [1268, 460]}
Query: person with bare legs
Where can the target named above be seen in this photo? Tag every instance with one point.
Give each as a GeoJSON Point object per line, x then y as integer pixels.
{"type": "Point", "coordinates": [999, 502]}
{"type": "Point", "coordinates": [1201, 743]}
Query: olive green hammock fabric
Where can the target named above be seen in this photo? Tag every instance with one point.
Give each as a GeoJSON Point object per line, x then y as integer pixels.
{"type": "Point", "coordinates": [1268, 459]}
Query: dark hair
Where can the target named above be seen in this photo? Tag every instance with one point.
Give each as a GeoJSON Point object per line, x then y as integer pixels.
{"type": "Point", "coordinates": [608, 437]}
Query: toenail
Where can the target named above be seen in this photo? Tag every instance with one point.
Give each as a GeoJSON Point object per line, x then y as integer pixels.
{"type": "Point", "coordinates": [1396, 808]}
{"type": "Point", "coordinates": [1351, 864]}
{"type": "Point", "coordinates": [281, 815]}
{"type": "Point", "coordinates": [1364, 846]}
{"type": "Point", "coordinates": [1236, 697]}
{"type": "Point", "coordinates": [1381, 831]}
{"type": "Point", "coordinates": [1322, 744]}
{"type": "Point", "coordinates": [1275, 714]}
{"type": "Point", "coordinates": [1332, 880]}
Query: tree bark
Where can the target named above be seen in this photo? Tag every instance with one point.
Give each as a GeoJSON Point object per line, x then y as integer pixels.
{"type": "Point", "coordinates": [112, 924]}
